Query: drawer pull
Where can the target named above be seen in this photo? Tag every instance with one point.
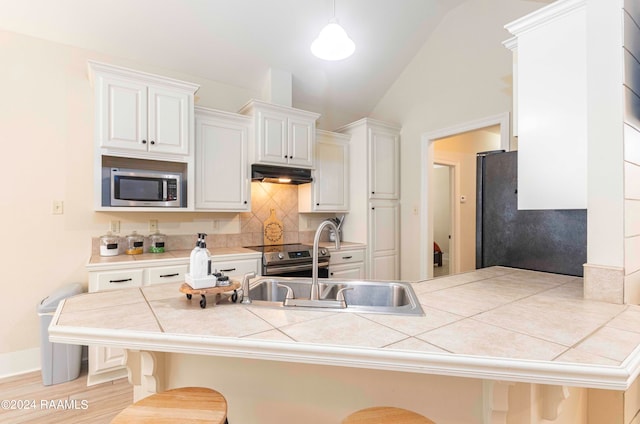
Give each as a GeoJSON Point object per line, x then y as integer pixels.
{"type": "Point", "coordinates": [227, 270]}
{"type": "Point", "coordinates": [347, 257]}
{"type": "Point", "coordinates": [170, 275]}
{"type": "Point", "coordinates": [124, 280]}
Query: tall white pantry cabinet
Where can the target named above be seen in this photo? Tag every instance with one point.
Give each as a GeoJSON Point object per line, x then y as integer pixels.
{"type": "Point", "coordinates": [374, 213]}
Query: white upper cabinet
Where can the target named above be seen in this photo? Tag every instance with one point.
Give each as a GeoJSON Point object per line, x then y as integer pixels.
{"type": "Point", "coordinates": [282, 135]}
{"type": "Point", "coordinates": [142, 115]}
{"type": "Point", "coordinates": [384, 163]}
{"type": "Point", "coordinates": [550, 98]}
{"type": "Point", "coordinates": [329, 191]}
{"type": "Point", "coordinates": [222, 169]}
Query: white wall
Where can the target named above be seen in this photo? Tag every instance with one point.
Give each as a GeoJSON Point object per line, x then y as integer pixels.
{"type": "Point", "coordinates": [46, 128]}
{"type": "Point", "coordinates": [462, 73]}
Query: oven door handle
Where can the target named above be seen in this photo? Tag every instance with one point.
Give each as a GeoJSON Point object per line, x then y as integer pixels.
{"type": "Point", "coordinates": [290, 268]}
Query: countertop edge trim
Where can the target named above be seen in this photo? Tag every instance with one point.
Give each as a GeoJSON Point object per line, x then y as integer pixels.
{"type": "Point", "coordinates": [491, 368]}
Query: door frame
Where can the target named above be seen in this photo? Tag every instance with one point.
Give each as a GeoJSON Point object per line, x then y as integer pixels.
{"type": "Point", "coordinates": [454, 213]}
{"type": "Point", "coordinates": [426, 169]}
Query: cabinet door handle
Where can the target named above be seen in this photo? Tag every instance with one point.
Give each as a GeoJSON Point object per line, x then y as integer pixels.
{"type": "Point", "coordinates": [373, 209]}
{"type": "Point", "coordinates": [227, 270]}
{"type": "Point", "coordinates": [373, 192]}
{"type": "Point", "coordinates": [170, 275]}
{"type": "Point", "coordinates": [121, 281]}
{"type": "Point", "coordinates": [347, 257]}
{"type": "Point", "coordinates": [286, 157]}
{"type": "Point", "coordinates": [245, 202]}
{"type": "Point", "coordinates": [317, 204]}
{"type": "Point", "coordinates": [144, 141]}
{"type": "Point", "coordinates": [153, 142]}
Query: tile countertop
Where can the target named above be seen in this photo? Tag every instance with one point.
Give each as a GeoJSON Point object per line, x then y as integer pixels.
{"type": "Point", "coordinates": [183, 255]}
{"type": "Point", "coordinates": [495, 323]}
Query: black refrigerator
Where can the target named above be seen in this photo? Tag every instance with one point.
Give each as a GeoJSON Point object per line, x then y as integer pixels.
{"type": "Point", "coordinates": [540, 240]}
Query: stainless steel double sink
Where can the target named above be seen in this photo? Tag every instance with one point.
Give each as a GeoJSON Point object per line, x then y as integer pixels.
{"type": "Point", "coordinates": [384, 297]}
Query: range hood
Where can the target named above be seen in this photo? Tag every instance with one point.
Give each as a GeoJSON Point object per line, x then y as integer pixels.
{"type": "Point", "coordinates": [280, 174]}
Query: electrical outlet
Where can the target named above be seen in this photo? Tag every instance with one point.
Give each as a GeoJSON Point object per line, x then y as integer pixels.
{"type": "Point", "coordinates": [114, 226]}
{"type": "Point", "coordinates": [153, 225]}
{"type": "Point", "coordinates": [57, 207]}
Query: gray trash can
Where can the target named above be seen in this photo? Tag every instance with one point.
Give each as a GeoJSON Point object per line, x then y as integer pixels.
{"type": "Point", "coordinates": [60, 362]}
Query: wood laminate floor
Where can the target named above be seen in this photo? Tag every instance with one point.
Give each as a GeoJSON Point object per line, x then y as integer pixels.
{"type": "Point", "coordinates": [24, 399]}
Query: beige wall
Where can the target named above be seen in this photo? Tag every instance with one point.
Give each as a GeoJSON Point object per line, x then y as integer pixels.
{"type": "Point", "coordinates": [46, 128]}
{"type": "Point", "coordinates": [462, 73]}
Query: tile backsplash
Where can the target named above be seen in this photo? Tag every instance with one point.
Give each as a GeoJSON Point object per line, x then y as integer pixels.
{"type": "Point", "coordinates": [283, 198]}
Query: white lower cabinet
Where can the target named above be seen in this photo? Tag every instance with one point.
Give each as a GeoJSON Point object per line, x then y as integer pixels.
{"type": "Point", "coordinates": [106, 363]}
{"type": "Point", "coordinates": [111, 280]}
{"type": "Point", "coordinates": [166, 274]}
{"type": "Point", "coordinates": [235, 269]}
{"type": "Point", "coordinates": [347, 264]}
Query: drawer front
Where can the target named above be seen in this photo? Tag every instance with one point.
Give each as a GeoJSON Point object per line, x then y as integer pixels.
{"type": "Point", "coordinates": [236, 269]}
{"type": "Point", "coordinates": [353, 271]}
{"type": "Point", "coordinates": [167, 274]}
{"type": "Point", "coordinates": [346, 256]}
{"type": "Point", "coordinates": [116, 280]}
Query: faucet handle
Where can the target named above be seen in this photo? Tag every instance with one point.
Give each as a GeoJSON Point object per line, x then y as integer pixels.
{"type": "Point", "coordinates": [340, 294]}
{"type": "Point", "coordinates": [289, 294]}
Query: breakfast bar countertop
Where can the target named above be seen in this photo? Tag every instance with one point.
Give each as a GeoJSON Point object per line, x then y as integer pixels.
{"type": "Point", "coordinates": [495, 323]}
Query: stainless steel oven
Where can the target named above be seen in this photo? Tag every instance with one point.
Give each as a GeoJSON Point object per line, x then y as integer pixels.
{"type": "Point", "coordinates": [292, 260]}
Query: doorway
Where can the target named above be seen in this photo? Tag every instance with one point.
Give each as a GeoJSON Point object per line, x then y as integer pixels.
{"type": "Point", "coordinates": [462, 243]}
{"type": "Point", "coordinates": [444, 217]}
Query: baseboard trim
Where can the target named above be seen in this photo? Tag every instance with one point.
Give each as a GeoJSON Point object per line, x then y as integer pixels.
{"type": "Point", "coordinates": [19, 362]}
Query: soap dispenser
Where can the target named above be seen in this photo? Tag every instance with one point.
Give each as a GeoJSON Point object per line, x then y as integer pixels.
{"type": "Point", "coordinates": [202, 259]}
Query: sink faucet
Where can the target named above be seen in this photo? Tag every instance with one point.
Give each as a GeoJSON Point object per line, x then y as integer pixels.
{"type": "Point", "coordinates": [316, 241]}
{"type": "Point", "coordinates": [245, 287]}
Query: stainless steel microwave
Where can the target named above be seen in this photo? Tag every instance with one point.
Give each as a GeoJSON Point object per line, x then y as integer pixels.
{"type": "Point", "coordinates": [130, 187]}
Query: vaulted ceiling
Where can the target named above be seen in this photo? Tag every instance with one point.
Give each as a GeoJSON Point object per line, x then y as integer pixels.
{"type": "Point", "coordinates": [237, 41]}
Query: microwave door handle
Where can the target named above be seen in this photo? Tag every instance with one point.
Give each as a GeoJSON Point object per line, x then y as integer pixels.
{"type": "Point", "coordinates": [164, 190]}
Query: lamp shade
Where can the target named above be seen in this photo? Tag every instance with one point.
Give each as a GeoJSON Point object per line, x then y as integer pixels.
{"type": "Point", "coordinates": [333, 43]}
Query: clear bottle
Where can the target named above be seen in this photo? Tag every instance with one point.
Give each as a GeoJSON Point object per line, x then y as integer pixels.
{"type": "Point", "coordinates": [109, 244]}
{"type": "Point", "coordinates": [157, 243]}
{"type": "Point", "coordinates": [135, 244]}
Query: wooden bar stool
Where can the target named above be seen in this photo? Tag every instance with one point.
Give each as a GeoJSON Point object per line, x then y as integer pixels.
{"type": "Point", "coordinates": [184, 405]}
{"type": "Point", "coordinates": [386, 415]}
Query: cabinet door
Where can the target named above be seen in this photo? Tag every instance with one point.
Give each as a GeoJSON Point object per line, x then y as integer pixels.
{"type": "Point", "coordinates": [331, 178]}
{"type": "Point", "coordinates": [122, 114]}
{"type": "Point", "coordinates": [169, 121]}
{"type": "Point", "coordinates": [384, 164]}
{"type": "Point", "coordinates": [222, 177]}
{"type": "Point", "coordinates": [301, 137]}
{"type": "Point", "coordinates": [105, 364]}
{"type": "Point", "coordinates": [272, 138]}
{"type": "Point", "coordinates": [385, 239]}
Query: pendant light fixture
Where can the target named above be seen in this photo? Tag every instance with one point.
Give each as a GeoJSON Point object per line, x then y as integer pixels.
{"type": "Point", "coordinates": [333, 43]}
